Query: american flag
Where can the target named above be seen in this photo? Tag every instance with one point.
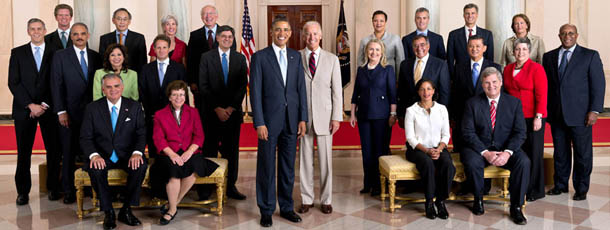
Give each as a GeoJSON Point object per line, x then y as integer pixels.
{"type": "Point", "coordinates": [247, 41]}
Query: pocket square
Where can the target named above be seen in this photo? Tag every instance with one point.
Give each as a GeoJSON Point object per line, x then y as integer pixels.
{"type": "Point", "coordinates": [128, 119]}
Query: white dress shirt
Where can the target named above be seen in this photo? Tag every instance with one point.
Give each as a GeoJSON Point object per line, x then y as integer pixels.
{"type": "Point", "coordinates": [165, 64]}
{"type": "Point", "coordinates": [478, 67]}
{"type": "Point", "coordinates": [423, 64]}
{"type": "Point", "coordinates": [220, 52]}
{"type": "Point", "coordinates": [427, 129]}
{"type": "Point", "coordinates": [77, 50]}
{"type": "Point", "coordinates": [213, 32]}
{"type": "Point", "coordinates": [316, 57]}
{"type": "Point", "coordinates": [569, 56]}
{"type": "Point", "coordinates": [118, 107]}
{"type": "Point", "coordinates": [277, 49]}
{"type": "Point", "coordinates": [474, 31]}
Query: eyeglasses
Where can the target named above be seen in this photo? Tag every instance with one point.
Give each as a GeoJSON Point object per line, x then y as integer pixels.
{"type": "Point", "coordinates": [121, 19]}
{"type": "Point", "coordinates": [571, 34]}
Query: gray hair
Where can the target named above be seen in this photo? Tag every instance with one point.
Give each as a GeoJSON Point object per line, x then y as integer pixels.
{"type": "Point", "coordinates": [490, 71]}
{"type": "Point", "coordinates": [34, 20]}
{"type": "Point", "coordinates": [213, 7]}
{"type": "Point", "coordinates": [166, 18]}
{"type": "Point", "coordinates": [80, 24]}
{"type": "Point", "coordinates": [523, 40]}
{"type": "Point", "coordinates": [422, 9]}
{"type": "Point", "coordinates": [311, 23]}
{"type": "Point", "coordinates": [110, 76]}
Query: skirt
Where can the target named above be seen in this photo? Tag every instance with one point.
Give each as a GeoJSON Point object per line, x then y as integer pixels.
{"type": "Point", "coordinates": [197, 164]}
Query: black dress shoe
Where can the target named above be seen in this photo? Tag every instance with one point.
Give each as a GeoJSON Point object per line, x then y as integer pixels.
{"type": "Point", "coordinates": [516, 214]}
{"type": "Point", "coordinates": [69, 198]}
{"type": "Point", "coordinates": [579, 196]}
{"type": "Point", "coordinates": [291, 216]}
{"type": "Point", "coordinates": [365, 190]}
{"type": "Point", "coordinates": [234, 194]}
{"type": "Point", "coordinates": [164, 221]}
{"type": "Point", "coordinates": [22, 199]}
{"type": "Point", "coordinates": [556, 191]}
{"type": "Point", "coordinates": [127, 217]}
{"type": "Point", "coordinates": [375, 192]}
{"type": "Point", "coordinates": [266, 221]}
{"type": "Point", "coordinates": [430, 211]}
{"type": "Point", "coordinates": [441, 210]}
{"type": "Point", "coordinates": [109, 220]}
{"type": "Point", "coordinates": [477, 207]}
{"type": "Point", "coordinates": [54, 195]}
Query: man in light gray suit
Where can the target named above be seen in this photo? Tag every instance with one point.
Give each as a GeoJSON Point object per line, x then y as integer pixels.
{"type": "Point", "coordinates": [325, 109]}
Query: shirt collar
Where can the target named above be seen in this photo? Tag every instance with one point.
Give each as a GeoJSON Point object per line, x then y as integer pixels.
{"type": "Point", "coordinates": [425, 32]}
{"type": "Point", "coordinates": [213, 29]}
{"type": "Point", "coordinates": [277, 49]}
{"type": "Point", "coordinates": [497, 99]}
{"type": "Point", "coordinates": [220, 52]}
{"type": "Point", "coordinates": [480, 62]}
{"type": "Point", "coordinates": [317, 51]}
{"type": "Point", "coordinates": [124, 32]}
{"type": "Point", "coordinates": [67, 32]}
{"type": "Point", "coordinates": [34, 46]}
{"type": "Point", "coordinates": [571, 49]}
{"type": "Point", "coordinates": [474, 29]}
{"type": "Point", "coordinates": [424, 59]}
{"type": "Point", "coordinates": [118, 104]}
{"type": "Point", "coordinates": [78, 50]}
{"type": "Point", "coordinates": [166, 61]}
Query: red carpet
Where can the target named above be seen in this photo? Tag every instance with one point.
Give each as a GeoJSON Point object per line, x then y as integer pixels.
{"type": "Point", "coordinates": [346, 138]}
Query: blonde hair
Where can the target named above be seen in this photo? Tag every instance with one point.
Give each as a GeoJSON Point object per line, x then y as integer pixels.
{"type": "Point", "coordinates": [383, 60]}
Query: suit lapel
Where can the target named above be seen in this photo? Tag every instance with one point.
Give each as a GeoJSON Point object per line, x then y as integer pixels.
{"type": "Point", "coordinates": [30, 57]}
{"type": "Point", "coordinates": [573, 61]}
{"type": "Point", "coordinates": [305, 62]}
{"type": "Point", "coordinates": [76, 64]}
{"type": "Point", "coordinates": [123, 111]}
{"type": "Point", "coordinates": [45, 58]}
{"type": "Point", "coordinates": [219, 76]}
{"type": "Point", "coordinates": [271, 58]}
{"type": "Point", "coordinates": [484, 109]}
{"type": "Point", "coordinates": [233, 62]}
{"type": "Point", "coordinates": [428, 69]}
{"type": "Point", "coordinates": [462, 37]}
{"type": "Point", "coordinates": [104, 110]}
{"type": "Point", "coordinates": [291, 64]}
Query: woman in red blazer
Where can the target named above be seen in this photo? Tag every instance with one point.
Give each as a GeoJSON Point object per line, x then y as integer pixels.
{"type": "Point", "coordinates": [526, 80]}
{"type": "Point", "coordinates": [177, 134]}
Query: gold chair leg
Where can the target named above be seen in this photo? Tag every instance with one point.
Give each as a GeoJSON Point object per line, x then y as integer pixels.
{"type": "Point", "coordinates": [93, 197]}
{"type": "Point", "coordinates": [79, 202]}
{"type": "Point", "coordinates": [383, 184]}
{"type": "Point", "coordinates": [392, 189]}
{"type": "Point", "coordinates": [505, 187]}
{"type": "Point", "coordinates": [220, 194]}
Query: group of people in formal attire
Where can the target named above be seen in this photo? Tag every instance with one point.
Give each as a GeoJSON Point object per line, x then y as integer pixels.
{"type": "Point", "coordinates": [107, 108]}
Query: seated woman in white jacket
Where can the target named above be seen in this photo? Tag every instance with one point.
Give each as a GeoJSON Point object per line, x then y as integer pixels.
{"type": "Point", "coordinates": [427, 131]}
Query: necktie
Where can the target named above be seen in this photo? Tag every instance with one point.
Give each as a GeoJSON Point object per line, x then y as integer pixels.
{"type": "Point", "coordinates": [283, 65]}
{"type": "Point", "coordinates": [121, 38]}
{"type": "Point", "coordinates": [210, 38]}
{"type": "Point", "coordinates": [564, 63]}
{"type": "Point", "coordinates": [113, 118]}
{"type": "Point", "coordinates": [225, 67]}
{"type": "Point", "coordinates": [161, 73]}
{"type": "Point", "coordinates": [312, 64]}
{"type": "Point", "coordinates": [469, 33]}
{"type": "Point", "coordinates": [64, 40]}
{"type": "Point", "coordinates": [475, 74]}
{"type": "Point", "coordinates": [37, 57]}
{"type": "Point", "coordinates": [492, 112]}
{"type": "Point", "coordinates": [417, 76]}
{"type": "Point", "coordinates": [83, 64]}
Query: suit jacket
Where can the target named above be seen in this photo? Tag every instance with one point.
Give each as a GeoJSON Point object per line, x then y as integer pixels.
{"type": "Point", "coordinates": [456, 47]}
{"type": "Point", "coordinates": [509, 132]}
{"type": "Point", "coordinates": [579, 91]}
{"type": "Point", "coordinates": [436, 71]}
{"type": "Point", "coordinates": [198, 45]}
{"type": "Point", "coordinates": [136, 48]}
{"type": "Point", "coordinates": [529, 85]}
{"type": "Point", "coordinates": [374, 92]}
{"type": "Point", "coordinates": [167, 132]}
{"type": "Point", "coordinates": [96, 134]}
{"type": "Point", "coordinates": [272, 102]}
{"type": "Point", "coordinates": [463, 89]}
{"type": "Point", "coordinates": [152, 92]}
{"type": "Point", "coordinates": [437, 45]}
{"type": "Point", "coordinates": [70, 90]}
{"type": "Point", "coordinates": [324, 92]}
{"type": "Point", "coordinates": [54, 40]}
{"type": "Point", "coordinates": [27, 84]}
{"type": "Point", "coordinates": [215, 93]}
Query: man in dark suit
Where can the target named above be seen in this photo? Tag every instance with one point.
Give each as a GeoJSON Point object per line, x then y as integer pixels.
{"type": "Point", "coordinates": [458, 38]}
{"type": "Point", "coordinates": [437, 45]}
{"type": "Point", "coordinates": [222, 81]}
{"type": "Point", "coordinates": [576, 96]}
{"type": "Point", "coordinates": [153, 81]}
{"type": "Point", "coordinates": [71, 87]}
{"type": "Point", "coordinates": [279, 105]}
{"type": "Point", "coordinates": [113, 135]}
{"type": "Point", "coordinates": [422, 66]}
{"type": "Point", "coordinates": [134, 41]}
{"type": "Point", "coordinates": [466, 84]}
{"type": "Point", "coordinates": [60, 38]}
{"type": "Point", "coordinates": [494, 130]}
{"type": "Point", "coordinates": [201, 40]}
{"type": "Point", "coordinates": [28, 80]}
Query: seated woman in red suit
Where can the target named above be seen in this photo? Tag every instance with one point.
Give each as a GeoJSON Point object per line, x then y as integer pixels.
{"type": "Point", "coordinates": [526, 80]}
{"type": "Point", "coordinates": [178, 135]}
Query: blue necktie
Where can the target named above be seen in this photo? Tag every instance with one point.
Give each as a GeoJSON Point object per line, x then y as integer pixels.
{"type": "Point", "coordinates": [83, 64]}
{"type": "Point", "coordinates": [37, 57]}
{"type": "Point", "coordinates": [283, 65]}
{"type": "Point", "coordinates": [564, 63]}
{"type": "Point", "coordinates": [64, 40]}
{"type": "Point", "coordinates": [475, 74]}
{"type": "Point", "coordinates": [113, 117]}
{"type": "Point", "coordinates": [225, 67]}
{"type": "Point", "coordinates": [161, 74]}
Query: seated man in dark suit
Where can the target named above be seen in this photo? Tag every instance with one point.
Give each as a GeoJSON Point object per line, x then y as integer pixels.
{"type": "Point", "coordinates": [437, 45]}
{"type": "Point", "coordinates": [134, 41]}
{"type": "Point", "coordinates": [458, 38]}
{"type": "Point", "coordinates": [422, 66]}
{"type": "Point", "coordinates": [60, 38]}
{"type": "Point", "coordinates": [113, 135]}
{"type": "Point", "coordinates": [494, 130]}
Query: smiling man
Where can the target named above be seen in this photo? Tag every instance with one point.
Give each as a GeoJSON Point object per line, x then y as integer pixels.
{"type": "Point", "coordinates": [279, 106]}
{"type": "Point", "coordinates": [60, 38]}
{"type": "Point", "coordinates": [134, 41]}
{"type": "Point", "coordinates": [437, 45]}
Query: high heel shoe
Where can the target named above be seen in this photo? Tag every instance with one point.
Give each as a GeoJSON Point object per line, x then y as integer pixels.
{"type": "Point", "coordinates": [164, 221]}
{"type": "Point", "coordinates": [164, 208]}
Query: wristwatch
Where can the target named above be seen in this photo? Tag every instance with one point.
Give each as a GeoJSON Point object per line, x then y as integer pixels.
{"type": "Point", "coordinates": [539, 117]}
{"type": "Point", "coordinates": [392, 113]}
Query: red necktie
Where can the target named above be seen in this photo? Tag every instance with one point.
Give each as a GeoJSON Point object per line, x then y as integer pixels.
{"type": "Point", "coordinates": [312, 64]}
{"type": "Point", "coordinates": [469, 33]}
{"type": "Point", "coordinates": [210, 39]}
{"type": "Point", "coordinates": [492, 112]}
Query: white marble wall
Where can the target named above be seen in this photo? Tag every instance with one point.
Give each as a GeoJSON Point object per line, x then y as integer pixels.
{"type": "Point", "coordinates": [499, 21]}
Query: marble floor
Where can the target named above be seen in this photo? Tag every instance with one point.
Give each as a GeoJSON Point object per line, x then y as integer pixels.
{"type": "Point", "coordinates": [351, 209]}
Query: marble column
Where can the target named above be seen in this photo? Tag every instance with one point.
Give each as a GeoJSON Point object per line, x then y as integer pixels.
{"type": "Point", "coordinates": [179, 10]}
{"type": "Point", "coordinates": [499, 16]}
{"type": "Point", "coordinates": [96, 15]}
{"type": "Point", "coordinates": [433, 7]}
{"type": "Point", "coordinates": [6, 97]}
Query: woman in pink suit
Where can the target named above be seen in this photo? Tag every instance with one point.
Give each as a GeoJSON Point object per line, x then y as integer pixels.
{"type": "Point", "coordinates": [526, 80]}
{"type": "Point", "coordinates": [177, 134]}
